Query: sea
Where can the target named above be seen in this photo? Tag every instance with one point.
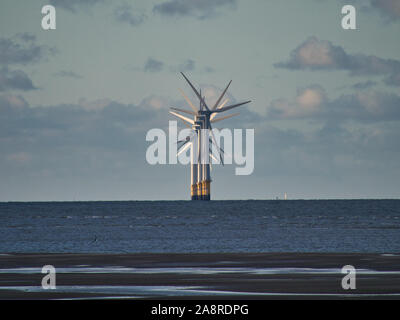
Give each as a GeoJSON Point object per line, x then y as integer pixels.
{"type": "Point", "coordinates": [197, 226]}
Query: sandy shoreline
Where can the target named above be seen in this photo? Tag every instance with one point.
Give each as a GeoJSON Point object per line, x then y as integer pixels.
{"type": "Point", "coordinates": [200, 276]}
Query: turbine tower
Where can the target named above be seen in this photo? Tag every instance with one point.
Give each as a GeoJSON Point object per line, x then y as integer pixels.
{"type": "Point", "coordinates": [201, 126]}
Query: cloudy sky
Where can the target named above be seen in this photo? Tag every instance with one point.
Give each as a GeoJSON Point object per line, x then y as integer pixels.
{"type": "Point", "coordinates": [76, 102]}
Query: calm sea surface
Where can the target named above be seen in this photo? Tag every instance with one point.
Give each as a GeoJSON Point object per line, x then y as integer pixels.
{"type": "Point", "coordinates": [216, 226]}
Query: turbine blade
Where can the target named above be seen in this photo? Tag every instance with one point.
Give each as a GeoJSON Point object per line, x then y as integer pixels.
{"type": "Point", "coordinates": [183, 148]}
{"type": "Point", "coordinates": [183, 110]}
{"type": "Point", "coordinates": [225, 117]}
{"type": "Point", "coordinates": [221, 96]}
{"type": "Point", "coordinates": [195, 91]}
{"type": "Point", "coordinates": [182, 117]}
{"type": "Point", "coordinates": [223, 104]}
{"type": "Point", "coordinates": [219, 107]}
{"type": "Point", "coordinates": [188, 138]}
{"type": "Point", "coordinates": [186, 124]}
{"type": "Point", "coordinates": [188, 101]}
{"type": "Point", "coordinates": [217, 146]}
{"type": "Point", "coordinates": [215, 159]}
{"type": "Point", "coordinates": [211, 154]}
{"type": "Point", "coordinates": [198, 149]}
{"type": "Point", "coordinates": [212, 134]}
{"type": "Point", "coordinates": [231, 107]}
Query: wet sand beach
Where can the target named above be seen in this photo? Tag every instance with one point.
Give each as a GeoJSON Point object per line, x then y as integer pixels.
{"type": "Point", "coordinates": [200, 276]}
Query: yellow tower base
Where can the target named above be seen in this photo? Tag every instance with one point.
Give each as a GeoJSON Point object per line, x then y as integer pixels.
{"type": "Point", "coordinates": [199, 191]}
{"type": "Point", "coordinates": [193, 192]}
{"type": "Point", "coordinates": [206, 190]}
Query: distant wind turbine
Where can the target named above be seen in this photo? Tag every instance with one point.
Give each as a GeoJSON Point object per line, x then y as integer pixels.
{"type": "Point", "coordinates": [202, 119]}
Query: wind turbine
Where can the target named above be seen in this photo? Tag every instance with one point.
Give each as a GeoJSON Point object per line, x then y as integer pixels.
{"type": "Point", "coordinates": [201, 124]}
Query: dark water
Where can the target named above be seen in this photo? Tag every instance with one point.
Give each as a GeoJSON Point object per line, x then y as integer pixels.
{"type": "Point", "coordinates": [216, 226]}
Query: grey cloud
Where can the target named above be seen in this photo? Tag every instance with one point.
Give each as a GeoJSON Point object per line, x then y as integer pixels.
{"type": "Point", "coordinates": [67, 74]}
{"type": "Point", "coordinates": [333, 151]}
{"type": "Point", "coordinates": [9, 102]}
{"type": "Point", "coordinates": [329, 157]}
{"type": "Point", "coordinates": [153, 65]}
{"type": "Point", "coordinates": [364, 85]}
{"type": "Point", "coordinates": [369, 106]}
{"type": "Point", "coordinates": [200, 9]}
{"type": "Point", "coordinates": [393, 80]}
{"type": "Point", "coordinates": [389, 8]}
{"type": "Point", "coordinates": [361, 64]}
{"type": "Point", "coordinates": [190, 65]}
{"type": "Point", "coordinates": [22, 49]}
{"type": "Point", "coordinates": [26, 37]}
{"type": "Point", "coordinates": [125, 14]}
{"type": "Point", "coordinates": [74, 5]}
{"type": "Point", "coordinates": [186, 66]}
{"type": "Point", "coordinates": [110, 125]}
{"type": "Point", "coordinates": [15, 80]}
{"type": "Point", "coordinates": [362, 106]}
{"type": "Point", "coordinates": [71, 144]}
{"type": "Point", "coordinates": [340, 148]}
{"type": "Point", "coordinates": [314, 54]}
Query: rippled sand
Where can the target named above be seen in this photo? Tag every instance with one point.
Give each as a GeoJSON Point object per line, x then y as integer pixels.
{"type": "Point", "coordinates": [188, 276]}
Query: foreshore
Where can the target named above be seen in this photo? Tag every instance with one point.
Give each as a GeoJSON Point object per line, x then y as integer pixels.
{"type": "Point", "coordinates": [200, 276]}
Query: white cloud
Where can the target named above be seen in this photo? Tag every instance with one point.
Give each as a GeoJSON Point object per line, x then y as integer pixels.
{"type": "Point", "coordinates": [307, 103]}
